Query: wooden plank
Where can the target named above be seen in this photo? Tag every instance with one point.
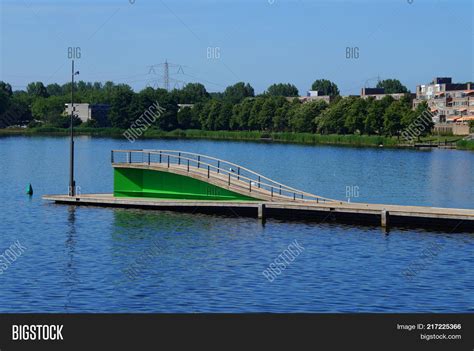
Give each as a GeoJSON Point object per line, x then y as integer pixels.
{"type": "Point", "coordinates": [342, 207]}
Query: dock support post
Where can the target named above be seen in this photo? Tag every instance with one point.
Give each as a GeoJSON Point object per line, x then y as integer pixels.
{"type": "Point", "coordinates": [385, 218]}
{"type": "Point", "coordinates": [261, 211]}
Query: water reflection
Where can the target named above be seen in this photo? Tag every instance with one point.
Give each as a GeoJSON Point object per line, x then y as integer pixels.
{"type": "Point", "coordinates": [71, 269]}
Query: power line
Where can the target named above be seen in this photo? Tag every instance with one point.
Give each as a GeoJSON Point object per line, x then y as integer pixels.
{"type": "Point", "coordinates": [165, 78]}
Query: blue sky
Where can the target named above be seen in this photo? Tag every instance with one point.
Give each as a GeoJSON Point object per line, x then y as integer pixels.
{"type": "Point", "coordinates": [259, 41]}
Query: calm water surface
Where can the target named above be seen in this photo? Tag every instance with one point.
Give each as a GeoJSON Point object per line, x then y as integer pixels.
{"type": "Point", "coordinates": [75, 256]}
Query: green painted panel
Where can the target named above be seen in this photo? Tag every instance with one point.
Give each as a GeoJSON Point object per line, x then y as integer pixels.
{"type": "Point", "coordinates": [132, 182]}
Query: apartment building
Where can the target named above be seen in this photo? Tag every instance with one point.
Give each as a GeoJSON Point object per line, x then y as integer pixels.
{"type": "Point", "coordinates": [449, 102]}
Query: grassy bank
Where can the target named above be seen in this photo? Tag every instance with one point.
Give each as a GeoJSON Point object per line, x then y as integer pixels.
{"type": "Point", "coordinates": [62, 131]}
{"type": "Point", "coordinates": [285, 137]}
{"type": "Point", "coordinates": [465, 145]}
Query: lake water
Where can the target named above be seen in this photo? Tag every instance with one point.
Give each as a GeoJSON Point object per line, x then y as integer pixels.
{"type": "Point", "coordinates": [74, 258]}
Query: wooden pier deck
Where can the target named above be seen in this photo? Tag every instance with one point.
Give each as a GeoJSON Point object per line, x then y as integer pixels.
{"type": "Point", "coordinates": [448, 219]}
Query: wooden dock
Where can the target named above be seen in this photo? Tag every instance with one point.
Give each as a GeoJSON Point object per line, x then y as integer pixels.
{"type": "Point", "coordinates": [446, 219]}
{"type": "Point", "coordinates": [182, 181]}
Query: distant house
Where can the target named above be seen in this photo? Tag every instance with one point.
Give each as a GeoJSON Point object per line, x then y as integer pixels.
{"type": "Point", "coordinates": [379, 94]}
{"type": "Point", "coordinates": [312, 95]}
{"type": "Point", "coordinates": [86, 112]}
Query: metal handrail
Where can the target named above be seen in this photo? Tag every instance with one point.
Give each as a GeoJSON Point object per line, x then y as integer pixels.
{"type": "Point", "coordinates": [276, 189]}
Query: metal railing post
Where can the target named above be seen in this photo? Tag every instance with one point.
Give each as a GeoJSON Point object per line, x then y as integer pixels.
{"type": "Point", "coordinates": [188, 165]}
{"type": "Point", "coordinates": [199, 161]}
{"type": "Point", "coordinates": [160, 156]}
{"type": "Point", "coordinates": [250, 186]}
{"type": "Point", "coordinates": [280, 189]}
{"type": "Point", "coordinates": [168, 161]}
{"type": "Point", "coordinates": [218, 166]}
{"type": "Point", "coordinates": [238, 173]}
{"type": "Point", "coordinates": [179, 158]}
{"type": "Point", "coordinates": [259, 181]}
{"type": "Point", "coordinates": [229, 178]}
{"type": "Point", "coordinates": [208, 170]}
{"type": "Point", "coordinates": [294, 196]}
{"type": "Point", "coordinates": [149, 156]}
{"type": "Point", "coordinates": [129, 157]}
{"type": "Point", "coordinates": [112, 156]}
{"type": "Point", "coordinates": [271, 188]}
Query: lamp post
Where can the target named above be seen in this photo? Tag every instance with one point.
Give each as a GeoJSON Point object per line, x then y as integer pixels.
{"type": "Point", "coordinates": [72, 183]}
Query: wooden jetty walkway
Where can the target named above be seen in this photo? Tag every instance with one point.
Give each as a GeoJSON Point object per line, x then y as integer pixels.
{"type": "Point", "coordinates": [181, 181]}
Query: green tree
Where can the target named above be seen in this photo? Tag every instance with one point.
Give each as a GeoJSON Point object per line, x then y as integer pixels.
{"type": "Point", "coordinates": [332, 119]}
{"type": "Point", "coordinates": [418, 122]}
{"type": "Point", "coordinates": [120, 114]}
{"type": "Point", "coordinates": [356, 114]}
{"type": "Point", "coordinates": [237, 92]}
{"type": "Point", "coordinates": [18, 112]}
{"type": "Point", "coordinates": [185, 118]}
{"type": "Point", "coordinates": [6, 87]}
{"type": "Point", "coordinates": [304, 117]}
{"type": "Point", "coordinates": [168, 118]}
{"type": "Point", "coordinates": [234, 122]}
{"type": "Point", "coordinates": [266, 114]}
{"type": "Point", "coordinates": [326, 87]}
{"type": "Point", "coordinates": [241, 115]}
{"type": "Point", "coordinates": [393, 118]}
{"type": "Point", "coordinates": [213, 112]}
{"type": "Point", "coordinates": [4, 102]}
{"type": "Point", "coordinates": [191, 93]}
{"type": "Point", "coordinates": [254, 117]}
{"type": "Point", "coordinates": [54, 89]}
{"type": "Point", "coordinates": [280, 119]}
{"type": "Point", "coordinates": [51, 111]}
{"type": "Point", "coordinates": [37, 89]}
{"type": "Point", "coordinates": [225, 113]}
{"type": "Point", "coordinates": [195, 115]}
{"type": "Point", "coordinates": [392, 86]}
{"type": "Point", "coordinates": [282, 89]}
{"type": "Point", "coordinates": [374, 121]}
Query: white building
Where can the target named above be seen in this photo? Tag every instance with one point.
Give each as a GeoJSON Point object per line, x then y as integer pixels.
{"type": "Point", "coordinates": [86, 112]}
{"type": "Point", "coordinates": [83, 111]}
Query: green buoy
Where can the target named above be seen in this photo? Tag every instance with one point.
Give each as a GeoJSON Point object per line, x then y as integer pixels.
{"type": "Point", "coordinates": [29, 190]}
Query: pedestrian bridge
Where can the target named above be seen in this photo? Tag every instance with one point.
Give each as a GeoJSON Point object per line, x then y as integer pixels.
{"type": "Point", "coordinates": [171, 174]}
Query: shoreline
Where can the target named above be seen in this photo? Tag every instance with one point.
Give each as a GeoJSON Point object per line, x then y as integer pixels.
{"type": "Point", "coordinates": [349, 140]}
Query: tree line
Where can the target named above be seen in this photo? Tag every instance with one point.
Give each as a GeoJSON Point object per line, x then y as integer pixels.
{"type": "Point", "coordinates": [277, 109]}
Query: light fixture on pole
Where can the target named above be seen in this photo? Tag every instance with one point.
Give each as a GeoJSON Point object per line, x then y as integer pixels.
{"type": "Point", "coordinates": [72, 183]}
